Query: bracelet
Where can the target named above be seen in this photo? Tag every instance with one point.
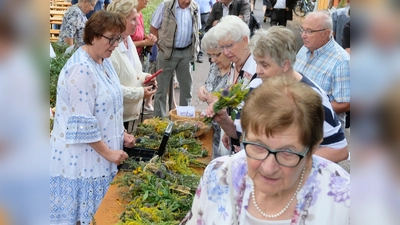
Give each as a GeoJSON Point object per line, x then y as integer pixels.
{"type": "Point", "coordinates": [125, 130]}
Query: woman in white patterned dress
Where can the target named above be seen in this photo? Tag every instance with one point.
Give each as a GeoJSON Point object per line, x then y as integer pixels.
{"type": "Point", "coordinates": [88, 132]}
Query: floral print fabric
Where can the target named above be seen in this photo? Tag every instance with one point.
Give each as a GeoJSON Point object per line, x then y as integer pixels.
{"type": "Point", "coordinates": [72, 26]}
{"type": "Point", "coordinates": [324, 198]}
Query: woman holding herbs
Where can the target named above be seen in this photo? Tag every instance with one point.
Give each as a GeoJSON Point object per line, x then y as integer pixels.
{"type": "Point", "coordinates": [220, 74]}
{"type": "Point", "coordinates": [233, 36]}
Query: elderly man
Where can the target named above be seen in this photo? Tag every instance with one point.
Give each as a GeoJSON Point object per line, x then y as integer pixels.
{"type": "Point", "coordinates": [176, 24]}
{"type": "Point", "coordinates": [324, 61]}
{"type": "Point", "coordinates": [228, 7]}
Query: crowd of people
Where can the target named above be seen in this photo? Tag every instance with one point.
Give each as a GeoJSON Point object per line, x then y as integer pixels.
{"type": "Point", "coordinates": [295, 111]}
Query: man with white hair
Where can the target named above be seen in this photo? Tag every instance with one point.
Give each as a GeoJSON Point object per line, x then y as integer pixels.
{"type": "Point", "coordinates": [324, 61]}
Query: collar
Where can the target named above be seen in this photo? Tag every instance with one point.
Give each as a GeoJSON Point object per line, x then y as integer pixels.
{"type": "Point", "coordinates": [122, 46]}
{"type": "Point", "coordinates": [178, 6]}
{"type": "Point", "coordinates": [325, 48]}
{"type": "Point", "coordinates": [250, 65]}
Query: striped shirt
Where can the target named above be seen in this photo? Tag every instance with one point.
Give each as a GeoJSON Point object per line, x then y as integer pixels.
{"type": "Point", "coordinates": [329, 68]}
{"type": "Point", "coordinates": [183, 34]}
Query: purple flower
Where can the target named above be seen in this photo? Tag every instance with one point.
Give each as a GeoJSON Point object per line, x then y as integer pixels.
{"type": "Point", "coordinates": [225, 92]}
{"type": "Point", "coordinates": [340, 189]}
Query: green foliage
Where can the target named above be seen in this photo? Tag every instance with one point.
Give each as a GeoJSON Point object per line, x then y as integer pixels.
{"type": "Point", "coordinates": [56, 65]}
{"type": "Point", "coordinates": [161, 191]}
{"type": "Point", "coordinates": [148, 13]}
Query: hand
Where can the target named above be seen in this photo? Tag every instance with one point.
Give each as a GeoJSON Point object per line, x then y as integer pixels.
{"type": "Point", "coordinates": [215, 22]}
{"type": "Point", "coordinates": [287, 9]}
{"type": "Point", "coordinates": [116, 156]}
{"type": "Point", "coordinates": [226, 141]}
{"type": "Point", "coordinates": [240, 16]}
{"type": "Point", "coordinates": [129, 140]}
{"type": "Point", "coordinates": [150, 39]}
{"type": "Point", "coordinates": [202, 93]}
{"type": "Point", "coordinates": [149, 91]}
{"type": "Point", "coordinates": [236, 148]}
{"type": "Point", "coordinates": [152, 81]}
{"type": "Point", "coordinates": [222, 115]}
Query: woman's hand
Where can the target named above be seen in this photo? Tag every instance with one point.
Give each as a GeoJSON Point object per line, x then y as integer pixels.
{"type": "Point", "coordinates": [226, 141]}
{"type": "Point", "coordinates": [148, 91]}
{"type": "Point", "coordinates": [152, 81]}
{"type": "Point", "coordinates": [129, 140]}
{"type": "Point", "coordinates": [150, 39]}
{"type": "Point", "coordinates": [202, 93]}
{"type": "Point", "coordinates": [116, 156]}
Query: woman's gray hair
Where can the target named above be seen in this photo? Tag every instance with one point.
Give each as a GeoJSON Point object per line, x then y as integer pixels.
{"type": "Point", "coordinates": [209, 40]}
{"type": "Point", "coordinates": [231, 28]}
{"type": "Point", "coordinates": [277, 42]}
{"type": "Point", "coordinates": [123, 7]}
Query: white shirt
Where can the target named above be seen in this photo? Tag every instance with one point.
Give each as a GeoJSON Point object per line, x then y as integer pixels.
{"type": "Point", "coordinates": [280, 4]}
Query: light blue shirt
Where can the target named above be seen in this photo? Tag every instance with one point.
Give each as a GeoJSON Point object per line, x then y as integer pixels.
{"type": "Point", "coordinates": [205, 5]}
{"type": "Point", "coordinates": [184, 31]}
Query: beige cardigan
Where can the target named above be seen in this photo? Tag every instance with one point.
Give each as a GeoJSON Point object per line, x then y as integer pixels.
{"type": "Point", "coordinates": [131, 78]}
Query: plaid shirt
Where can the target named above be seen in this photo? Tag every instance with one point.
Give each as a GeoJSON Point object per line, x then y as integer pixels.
{"type": "Point", "coordinates": [329, 68]}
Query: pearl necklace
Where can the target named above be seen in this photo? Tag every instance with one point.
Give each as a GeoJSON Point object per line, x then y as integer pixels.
{"type": "Point", "coordinates": [287, 205]}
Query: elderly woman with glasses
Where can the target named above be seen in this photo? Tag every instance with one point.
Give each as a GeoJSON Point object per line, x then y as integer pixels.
{"type": "Point", "coordinates": [126, 62]}
{"type": "Point", "coordinates": [276, 179]}
{"type": "Point", "coordinates": [219, 76]}
{"type": "Point", "coordinates": [88, 134]}
{"type": "Point", "coordinates": [233, 36]}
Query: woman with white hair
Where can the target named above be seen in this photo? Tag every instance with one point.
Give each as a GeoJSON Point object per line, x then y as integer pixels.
{"type": "Point", "coordinates": [233, 37]}
{"type": "Point", "coordinates": [220, 74]}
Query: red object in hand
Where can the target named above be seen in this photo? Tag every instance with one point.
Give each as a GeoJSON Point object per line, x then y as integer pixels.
{"type": "Point", "coordinates": [152, 76]}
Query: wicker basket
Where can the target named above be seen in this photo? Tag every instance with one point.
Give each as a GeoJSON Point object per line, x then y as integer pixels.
{"type": "Point", "coordinates": [201, 127]}
{"type": "Point", "coordinates": [175, 117]}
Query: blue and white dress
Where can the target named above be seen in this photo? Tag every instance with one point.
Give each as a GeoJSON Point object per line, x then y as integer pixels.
{"type": "Point", "coordinates": [88, 109]}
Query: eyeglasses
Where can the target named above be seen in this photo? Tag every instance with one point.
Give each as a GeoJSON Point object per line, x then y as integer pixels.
{"type": "Point", "coordinates": [229, 47]}
{"type": "Point", "coordinates": [309, 31]}
{"type": "Point", "coordinates": [287, 157]}
{"type": "Point", "coordinates": [214, 55]}
{"type": "Point", "coordinates": [114, 39]}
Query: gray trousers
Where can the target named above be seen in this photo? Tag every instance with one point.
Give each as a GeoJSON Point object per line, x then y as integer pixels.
{"type": "Point", "coordinates": [179, 62]}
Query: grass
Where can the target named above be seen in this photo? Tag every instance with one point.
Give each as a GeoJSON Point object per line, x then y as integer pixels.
{"type": "Point", "coordinates": [148, 13]}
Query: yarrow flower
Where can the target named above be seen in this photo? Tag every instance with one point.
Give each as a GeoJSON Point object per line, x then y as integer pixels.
{"type": "Point", "coordinates": [230, 96]}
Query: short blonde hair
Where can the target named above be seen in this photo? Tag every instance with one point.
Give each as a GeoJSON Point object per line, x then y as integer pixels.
{"type": "Point", "coordinates": [123, 7]}
{"type": "Point", "coordinates": [282, 101]}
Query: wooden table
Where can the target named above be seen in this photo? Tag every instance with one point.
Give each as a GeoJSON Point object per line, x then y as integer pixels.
{"type": "Point", "coordinates": [112, 205]}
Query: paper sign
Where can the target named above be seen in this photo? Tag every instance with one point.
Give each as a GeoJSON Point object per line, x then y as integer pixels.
{"type": "Point", "coordinates": [187, 111]}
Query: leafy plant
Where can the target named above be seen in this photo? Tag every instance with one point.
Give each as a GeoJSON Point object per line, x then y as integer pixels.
{"type": "Point", "coordinates": [161, 191]}
{"type": "Point", "coordinates": [56, 65]}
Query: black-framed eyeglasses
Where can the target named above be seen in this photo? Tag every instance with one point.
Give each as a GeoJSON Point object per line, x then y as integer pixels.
{"type": "Point", "coordinates": [114, 39]}
{"type": "Point", "coordinates": [309, 31]}
{"type": "Point", "coordinates": [287, 157]}
{"type": "Point", "coordinates": [214, 55]}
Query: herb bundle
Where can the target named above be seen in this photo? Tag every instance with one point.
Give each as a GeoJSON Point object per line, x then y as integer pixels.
{"type": "Point", "coordinates": [230, 96]}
